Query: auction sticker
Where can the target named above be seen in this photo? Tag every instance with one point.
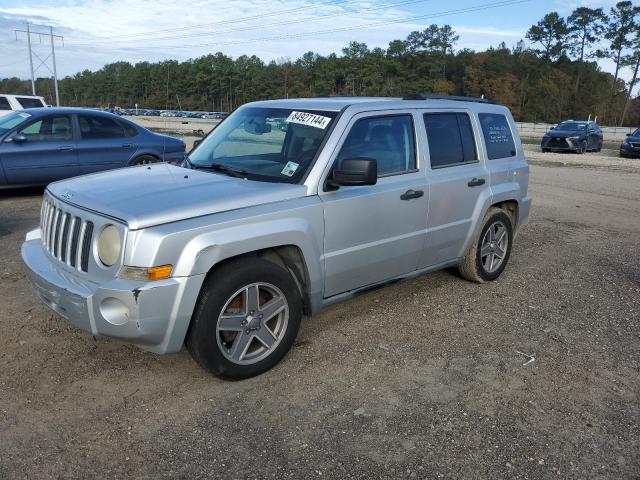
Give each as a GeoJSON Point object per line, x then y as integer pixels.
{"type": "Point", "coordinates": [289, 169]}
{"type": "Point", "coordinates": [309, 119]}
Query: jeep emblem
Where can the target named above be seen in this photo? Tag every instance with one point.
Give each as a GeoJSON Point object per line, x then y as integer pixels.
{"type": "Point", "coordinates": [67, 195]}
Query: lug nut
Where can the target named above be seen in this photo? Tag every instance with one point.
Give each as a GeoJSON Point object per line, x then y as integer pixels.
{"type": "Point", "coordinates": [247, 331]}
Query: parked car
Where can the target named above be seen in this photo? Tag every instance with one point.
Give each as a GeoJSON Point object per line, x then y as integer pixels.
{"type": "Point", "coordinates": [573, 136]}
{"type": "Point", "coordinates": [41, 145]}
{"type": "Point", "coordinates": [631, 145]}
{"type": "Point", "coordinates": [262, 226]}
{"type": "Point", "coordinates": [152, 113]}
{"type": "Point", "coordinates": [12, 103]}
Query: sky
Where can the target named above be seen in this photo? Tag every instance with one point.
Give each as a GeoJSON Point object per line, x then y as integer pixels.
{"type": "Point", "coordinates": [97, 32]}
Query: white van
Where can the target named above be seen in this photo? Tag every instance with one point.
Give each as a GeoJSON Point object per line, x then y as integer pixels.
{"type": "Point", "coordinates": [9, 103]}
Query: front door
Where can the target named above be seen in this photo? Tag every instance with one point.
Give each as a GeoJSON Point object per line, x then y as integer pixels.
{"type": "Point", "coordinates": [458, 180]}
{"type": "Point", "coordinates": [374, 233]}
{"type": "Point", "coordinates": [48, 152]}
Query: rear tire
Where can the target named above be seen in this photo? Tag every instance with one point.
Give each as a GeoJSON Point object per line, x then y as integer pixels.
{"type": "Point", "coordinates": [144, 160]}
{"type": "Point", "coordinates": [488, 255]}
{"type": "Point", "coordinates": [228, 335]}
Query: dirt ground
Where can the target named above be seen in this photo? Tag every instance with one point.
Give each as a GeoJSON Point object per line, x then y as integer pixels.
{"type": "Point", "coordinates": [429, 378]}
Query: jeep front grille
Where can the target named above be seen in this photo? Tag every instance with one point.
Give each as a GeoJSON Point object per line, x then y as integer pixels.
{"type": "Point", "coordinates": [65, 236]}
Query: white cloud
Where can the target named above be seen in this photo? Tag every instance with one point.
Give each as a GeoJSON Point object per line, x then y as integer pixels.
{"type": "Point", "coordinates": [101, 31]}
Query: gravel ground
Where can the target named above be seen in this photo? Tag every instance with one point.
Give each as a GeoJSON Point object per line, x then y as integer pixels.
{"type": "Point", "coordinates": [428, 378]}
{"type": "Point", "coordinates": [607, 159]}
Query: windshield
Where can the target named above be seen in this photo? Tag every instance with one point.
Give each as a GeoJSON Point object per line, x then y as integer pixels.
{"type": "Point", "coordinates": [13, 120]}
{"type": "Point", "coordinates": [270, 144]}
{"type": "Point", "coordinates": [572, 126]}
{"type": "Point", "coordinates": [636, 133]}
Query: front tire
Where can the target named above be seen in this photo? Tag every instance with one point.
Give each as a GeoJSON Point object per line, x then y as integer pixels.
{"type": "Point", "coordinates": [487, 257]}
{"type": "Point", "coordinates": [583, 147]}
{"type": "Point", "coordinates": [246, 319]}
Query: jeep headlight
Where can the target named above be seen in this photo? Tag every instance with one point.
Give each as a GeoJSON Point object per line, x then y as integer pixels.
{"type": "Point", "coordinates": [109, 245]}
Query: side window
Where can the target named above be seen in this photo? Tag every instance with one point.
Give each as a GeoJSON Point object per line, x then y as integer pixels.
{"type": "Point", "coordinates": [27, 102]}
{"type": "Point", "coordinates": [497, 136]}
{"type": "Point", "coordinates": [96, 127]}
{"type": "Point", "coordinates": [450, 139]}
{"type": "Point", "coordinates": [389, 140]}
{"type": "Point", "coordinates": [50, 129]}
{"type": "Point", "coordinates": [4, 104]}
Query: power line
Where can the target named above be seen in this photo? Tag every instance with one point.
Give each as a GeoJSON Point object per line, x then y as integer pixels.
{"type": "Point", "coordinates": [282, 22]}
{"type": "Point", "coordinates": [477, 8]}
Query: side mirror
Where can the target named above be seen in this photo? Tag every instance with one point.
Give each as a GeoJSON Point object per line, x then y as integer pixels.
{"type": "Point", "coordinates": [18, 138]}
{"type": "Point", "coordinates": [628, 134]}
{"type": "Point", "coordinates": [356, 172]}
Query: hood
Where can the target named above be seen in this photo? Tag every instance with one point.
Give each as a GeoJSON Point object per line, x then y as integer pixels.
{"type": "Point", "coordinates": [162, 193]}
{"type": "Point", "coordinates": [564, 133]}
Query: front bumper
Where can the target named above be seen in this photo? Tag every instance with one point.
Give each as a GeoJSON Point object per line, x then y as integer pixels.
{"type": "Point", "coordinates": [629, 151]}
{"type": "Point", "coordinates": [560, 144]}
{"type": "Point", "coordinates": [153, 315]}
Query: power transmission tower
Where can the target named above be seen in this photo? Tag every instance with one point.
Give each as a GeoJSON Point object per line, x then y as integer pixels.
{"type": "Point", "coordinates": [53, 69]}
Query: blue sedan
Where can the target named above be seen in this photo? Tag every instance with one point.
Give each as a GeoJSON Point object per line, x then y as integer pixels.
{"type": "Point", "coordinates": [41, 145]}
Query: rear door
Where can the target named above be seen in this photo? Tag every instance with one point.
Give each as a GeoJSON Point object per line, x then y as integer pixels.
{"type": "Point", "coordinates": [103, 143]}
{"type": "Point", "coordinates": [47, 154]}
{"type": "Point", "coordinates": [458, 179]}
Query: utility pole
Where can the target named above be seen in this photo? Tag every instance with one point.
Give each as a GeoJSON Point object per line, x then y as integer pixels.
{"type": "Point", "coordinates": [33, 79]}
{"type": "Point", "coordinates": [53, 69]}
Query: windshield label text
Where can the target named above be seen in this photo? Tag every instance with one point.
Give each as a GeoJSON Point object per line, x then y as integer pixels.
{"type": "Point", "coordinates": [309, 119]}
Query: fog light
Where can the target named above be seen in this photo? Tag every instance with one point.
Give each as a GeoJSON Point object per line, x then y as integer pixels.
{"type": "Point", "coordinates": [114, 311]}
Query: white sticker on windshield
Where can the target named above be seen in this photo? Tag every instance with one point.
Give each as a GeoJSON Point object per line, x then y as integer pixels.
{"type": "Point", "coordinates": [310, 119]}
{"type": "Point", "coordinates": [289, 169]}
{"type": "Point", "coordinates": [24, 114]}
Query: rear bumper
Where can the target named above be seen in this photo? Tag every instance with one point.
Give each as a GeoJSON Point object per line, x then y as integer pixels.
{"type": "Point", "coordinates": [153, 315]}
{"type": "Point", "coordinates": [523, 210]}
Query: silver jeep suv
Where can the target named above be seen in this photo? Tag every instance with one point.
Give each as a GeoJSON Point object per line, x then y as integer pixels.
{"type": "Point", "coordinates": [287, 206]}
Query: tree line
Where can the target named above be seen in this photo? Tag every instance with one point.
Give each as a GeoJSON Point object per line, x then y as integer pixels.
{"type": "Point", "coordinates": [554, 78]}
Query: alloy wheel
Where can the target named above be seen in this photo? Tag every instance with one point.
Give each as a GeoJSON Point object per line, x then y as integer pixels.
{"type": "Point", "coordinates": [252, 323]}
{"type": "Point", "coordinates": [494, 246]}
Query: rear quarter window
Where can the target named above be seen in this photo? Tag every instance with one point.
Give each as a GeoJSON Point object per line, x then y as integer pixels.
{"type": "Point", "coordinates": [497, 135]}
{"type": "Point", "coordinates": [27, 102]}
{"type": "Point", "coordinates": [4, 104]}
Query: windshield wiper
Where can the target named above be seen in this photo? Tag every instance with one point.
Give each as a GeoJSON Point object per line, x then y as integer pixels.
{"type": "Point", "coordinates": [234, 172]}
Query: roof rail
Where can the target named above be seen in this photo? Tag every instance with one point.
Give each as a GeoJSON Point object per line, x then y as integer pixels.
{"type": "Point", "coordinates": [456, 98]}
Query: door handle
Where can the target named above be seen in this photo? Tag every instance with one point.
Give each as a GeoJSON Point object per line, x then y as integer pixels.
{"type": "Point", "coordinates": [409, 194]}
{"type": "Point", "coordinates": [476, 182]}
{"type": "Point", "coordinates": [66, 148]}
{"type": "Point", "coordinates": [127, 146]}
